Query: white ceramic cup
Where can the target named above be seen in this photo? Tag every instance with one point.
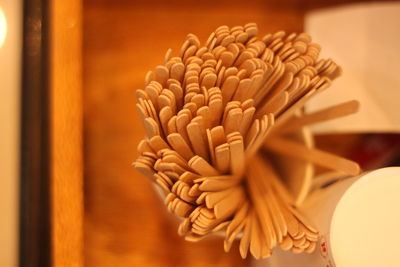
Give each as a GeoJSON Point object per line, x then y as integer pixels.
{"type": "Point", "coordinates": [359, 223]}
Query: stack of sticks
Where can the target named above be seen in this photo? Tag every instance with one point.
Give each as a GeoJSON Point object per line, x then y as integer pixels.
{"type": "Point", "coordinates": [208, 115]}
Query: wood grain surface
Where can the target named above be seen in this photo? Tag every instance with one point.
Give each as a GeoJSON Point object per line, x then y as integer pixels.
{"type": "Point", "coordinates": [66, 133]}
{"type": "Point", "coordinates": [125, 222]}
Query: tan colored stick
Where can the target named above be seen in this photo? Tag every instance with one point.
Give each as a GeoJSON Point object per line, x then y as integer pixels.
{"type": "Point", "coordinates": [287, 114]}
{"type": "Point", "coordinates": [330, 113]}
{"type": "Point", "coordinates": [237, 157]}
{"type": "Point", "coordinates": [322, 158]}
{"type": "Point", "coordinates": [179, 145]}
{"type": "Point", "coordinates": [202, 167]}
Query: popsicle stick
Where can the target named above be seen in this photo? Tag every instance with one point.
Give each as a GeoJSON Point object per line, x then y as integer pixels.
{"type": "Point", "coordinates": [329, 113]}
{"type": "Point", "coordinates": [287, 243]}
{"type": "Point", "coordinates": [161, 74]}
{"type": "Point", "coordinates": [245, 240]}
{"type": "Point", "coordinates": [172, 125]}
{"type": "Point", "coordinates": [255, 242]}
{"type": "Point", "coordinates": [322, 158]}
{"type": "Point", "coordinates": [252, 134]}
{"type": "Point", "coordinates": [257, 190]}
{"type": "Point", "coordinates": [233, 120]}
{"type": "Point", "coordinates": [202, 167]}
{"type": "Point", "coordinates": [144, 146]}
{"type": "Point", "coordinates": [165, 115]}
{"type": "Point", "coordinates": [157, 143]}
{"type": "Point", "coordinates": [277, 218]}
{"type": "Point", "coordinates": [151, 127]}
{"type": "Point", "coordinates": [197, 141]}
{"type": "Point", "coordinates": [184, 227]}
{"type": "Point", "coordinates": [188, 177]}
{"type": "Point", "coordinates": [274, 106]}
{"type": "Point", "coordinates": [242, 89]}
{"type": "Point", "coordinates": [247, 119]}
{"type": "Point", "coordinates": [218, 135]}
{"type": "Point", "coordinates": [163, 185]}
{"type": "Point", "coordinates": [231, 237]}
{"type": "Point", "coordinates": [182, 120]}
{"type": "Point", "coordinates": [216, 109]}
{"type": "Point", "coordinates": [287, 114]}
{"type": "Point", "coordinates": [178, 143]}
{"type": "Point", "coordinates": [220, 226]}
{"type": "Point", "coordinates": [213, 184]}
{"type": "Point", "coordinates": [227, 206]}
{"type": "Point", "coordinates": [237, 157]}
{"type": "Point", "coordinates": [222, 158]}
{"type": "Point", "coordinates": [144, 169]}
{"type": "Point", "coordinates": [229, 88]}
{"type": "Point", "coordinates": [212, 198]}
{"type": "Point", "coordinates": [204, 112]}
{"type": "Point", "coordinates": [266, 123]}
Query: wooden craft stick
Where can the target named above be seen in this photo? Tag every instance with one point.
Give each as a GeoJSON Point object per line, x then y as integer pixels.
{"type": "Point", "coordinates": [165, 115]}
{"type": "Point", "coordinates": [212, 198]}
{"type": "Point", "coordinates": [144, 169]}
{"type": "Point", "coordinates": [151, 127]}
{"type": "Point", "coordinates": [330, 113]}
{"type": "Point", "coordinates": [287, 114]}
{"type": "Point", "coordinates": [222, 157]}
{"type": "Point", "coordinates": [322, 158]}
{"type": "Point", "coordinates": [255, 242]}
{"type": "Point", "coordinates": [247, 119]}
{"type": "Point", "coordinates": [237, 157]}
{"type": "Point", "coordinates": [229, 88]}
{"type": "Point", "coordinates": [218, 183]}
{"type": "Point", "coordinates": [161, 74]}
{"type": "Point", "coordinates": [228, 205]}
{"type": "Point", "coordinates": [202, 167]}
{"type": "Point", "coordinates": [179, 145]}
{"type": "Point", "coordinates": [233, 120]}
{"type": "Point", "coordinates": [196, 139]}
{"type": "Point", "coordinates": [172, 125]}
{"type": "Point", "coordinates": [218, 135]}
{"type": "Point", "coordinates": [157, 143]}
{"type": "Point", "coordinates": [245, 241]}
{"type": "Point", "coordinates": [274, 106]}
{"type": "Point", "coordinates": [188, 177]}
{"type": "Point", "coordinates": [182, 120]}
{"type": "Point", "coordinates": [258, 189]}
{"type": "Point", "coordinates": [242, 90]}
{"type": "Point", "coordinates": [144, 146]}
{"type": "Point", "coordinates": [216, 109]}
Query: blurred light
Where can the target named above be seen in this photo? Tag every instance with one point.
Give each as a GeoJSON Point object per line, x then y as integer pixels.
{"type": "Point", "coordinates": [3, 27]}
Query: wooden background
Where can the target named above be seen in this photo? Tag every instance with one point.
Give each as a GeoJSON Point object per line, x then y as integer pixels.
{"type": "Point", "coordinates": [125, 222]}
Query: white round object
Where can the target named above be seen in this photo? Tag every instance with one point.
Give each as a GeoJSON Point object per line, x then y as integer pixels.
{"type": "Point", "coordinates": [365, 227]}
{"type": "Point", "coordinates": [359, 223]}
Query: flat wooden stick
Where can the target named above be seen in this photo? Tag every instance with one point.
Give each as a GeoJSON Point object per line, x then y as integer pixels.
{"type": "Point", "coordinates": [222, 158]}
{"type": "Point", "coordinates": [245, 240]}
{"type": "Point", "coordinates": [329, 113]}
{"type": "Point", "coordinates": [322, 158]}
{"type": "Point", "coordinates": [237, 157]}
{"type": "Point", "coordinates": [196, 139]}
{"type": "Point", "coordinates": [287, 114]}
{"type": "Point", "coordinates": [202, 167]}
{"type": "Point", "coordinates": [179, 145]}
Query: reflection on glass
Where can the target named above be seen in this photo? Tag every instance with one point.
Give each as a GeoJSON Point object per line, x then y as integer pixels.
{"type": "Point", "coordinates": [3, 27]}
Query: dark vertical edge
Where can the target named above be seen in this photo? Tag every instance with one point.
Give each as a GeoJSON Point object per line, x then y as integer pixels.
{"type": "Point", "coordinates": [35, 227]}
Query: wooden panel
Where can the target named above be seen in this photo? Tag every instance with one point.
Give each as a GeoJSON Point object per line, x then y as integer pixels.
{"type": "Point", "coordinates": [126, 224]}
{"type": "Point", "coordinates": [66, 133]}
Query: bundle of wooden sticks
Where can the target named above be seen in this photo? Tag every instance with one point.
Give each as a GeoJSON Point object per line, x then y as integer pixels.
{"type": "Point", "coordinates": [210, 113]}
